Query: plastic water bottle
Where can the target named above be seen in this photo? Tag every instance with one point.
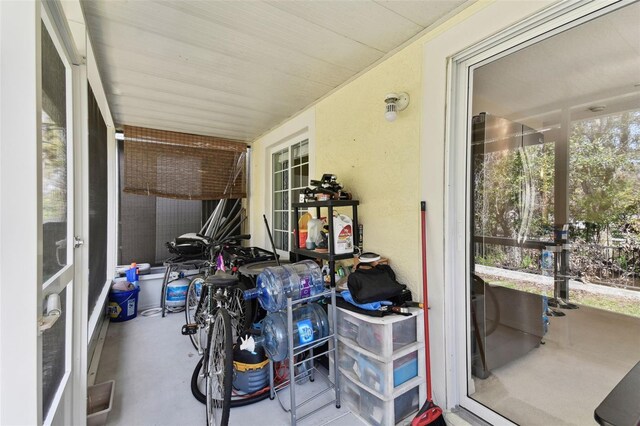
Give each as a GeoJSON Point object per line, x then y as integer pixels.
{"type": "Point", "coordinates": [310, 323]}
{"type": "Point", "coordinates": [276, 283]}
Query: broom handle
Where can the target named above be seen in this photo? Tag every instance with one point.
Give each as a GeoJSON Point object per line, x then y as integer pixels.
{"type": "Point", "coordinates": [425, 297]}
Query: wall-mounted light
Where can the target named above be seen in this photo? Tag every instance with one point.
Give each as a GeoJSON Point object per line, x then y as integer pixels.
{"type": "Point", "coordinates": [395, 102]}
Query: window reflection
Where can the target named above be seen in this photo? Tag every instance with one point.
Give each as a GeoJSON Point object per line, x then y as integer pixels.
{"type": "Point", "coordinates": [554, 318]}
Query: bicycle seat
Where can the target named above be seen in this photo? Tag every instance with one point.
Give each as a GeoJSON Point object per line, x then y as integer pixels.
{"type": "Point", "coordinates": [223, 280]}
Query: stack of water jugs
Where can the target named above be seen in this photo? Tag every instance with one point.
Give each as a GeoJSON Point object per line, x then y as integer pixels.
{"type": "Point", "coordinates": [310, 322]}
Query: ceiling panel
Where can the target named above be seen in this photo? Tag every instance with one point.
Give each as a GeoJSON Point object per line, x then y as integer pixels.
{"type": "Point", "coordinates": [236, 69]}
{"type": "Point", "coordinates": [422, 12]}
{"type": "Point", "coordinates": [366, 22]}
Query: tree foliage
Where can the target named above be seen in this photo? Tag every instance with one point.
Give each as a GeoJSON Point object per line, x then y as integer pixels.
{"type": "Point", "coordinates": [603, 194]}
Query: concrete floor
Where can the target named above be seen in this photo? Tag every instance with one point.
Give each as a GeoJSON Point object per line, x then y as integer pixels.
{"type": "Point", "coordinates": [152, 364]}
{"type": "Point", "coordinates": [586, 353]}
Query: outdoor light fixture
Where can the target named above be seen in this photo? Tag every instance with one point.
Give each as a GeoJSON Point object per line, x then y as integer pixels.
{"type": "Point", "coordinates": [395, 102]}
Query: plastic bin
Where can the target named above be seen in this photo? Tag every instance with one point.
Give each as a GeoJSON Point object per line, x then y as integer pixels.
{"type": "Point", "coordinates": [99, 403]}
{"type": "Point", "coordinates": [379, 375]}
{"type": "Point", "coordinates": [382, 336]}
{"type": "Point", "coordinates": [379, 411]}
{"type": "Point", "coordinates": [123, 305]}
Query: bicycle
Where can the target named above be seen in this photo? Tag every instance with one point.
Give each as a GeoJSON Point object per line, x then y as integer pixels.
{"type": "Point", "coordinates": [213, 317]}
{"type": "Point", "coordinates": [237, 306]}
{"type": "Point", "coordinates": [215, 308]}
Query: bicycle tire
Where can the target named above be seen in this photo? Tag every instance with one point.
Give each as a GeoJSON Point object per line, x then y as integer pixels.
{"type": "Point", "coordinates": [235, 402]}
{"type": "Point", "coordinates": [219, 372]}
{"type": "Point", "coordinates": [191, 302]}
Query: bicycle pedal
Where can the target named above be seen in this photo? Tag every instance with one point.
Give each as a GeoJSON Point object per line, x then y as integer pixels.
{"type": "Point", "coordinates": [189, 329]}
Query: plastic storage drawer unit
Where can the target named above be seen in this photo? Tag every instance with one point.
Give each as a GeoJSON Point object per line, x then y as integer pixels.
{"type": "Point", "coordinates": [381, 336]}
{"type": "Point", "coordinates": [380, 375]}
{"type": "Point", "coordinates": [377, 411]}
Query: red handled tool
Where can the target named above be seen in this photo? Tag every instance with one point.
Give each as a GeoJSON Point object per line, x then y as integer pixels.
{"type": "Point", "coordinates": [430, 414]}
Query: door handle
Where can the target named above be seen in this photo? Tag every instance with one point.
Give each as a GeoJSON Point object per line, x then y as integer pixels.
{"type": "Point", "coordinates": [54, 310]}
{"type": "Point", "coordinates": [77, 242]}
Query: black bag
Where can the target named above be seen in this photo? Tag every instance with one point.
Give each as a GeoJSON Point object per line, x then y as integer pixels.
{"type": "Point", "coordinates": [374, 284]}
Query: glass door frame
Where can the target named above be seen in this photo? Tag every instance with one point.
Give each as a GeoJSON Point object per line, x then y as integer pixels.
{"type": "Point", "coordinates": [64, 405]}
{"type": "Point", "coordinates": [288, 145]}
{"type": "Point", "coordinates": [557, 18]}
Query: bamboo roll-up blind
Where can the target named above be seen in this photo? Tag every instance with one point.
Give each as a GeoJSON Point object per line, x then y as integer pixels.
{"type": "Point", "coordinates": [183, 166]}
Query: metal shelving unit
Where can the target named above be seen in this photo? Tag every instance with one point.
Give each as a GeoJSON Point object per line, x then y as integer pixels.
{"type": "Point", "coordinates": [332, 338]}
{"type": "Point", "coordinates": [310, 347]}
{"type": "Point", "coordinates": [329, 256]}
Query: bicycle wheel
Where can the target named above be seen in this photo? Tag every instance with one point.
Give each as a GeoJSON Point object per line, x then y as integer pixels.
{"type": "Point", "coordinates": [193, 315]}
{"type": "Point", "coordinates": [219, 372]}
{"type": "Point", "coordinates": [239, 309]}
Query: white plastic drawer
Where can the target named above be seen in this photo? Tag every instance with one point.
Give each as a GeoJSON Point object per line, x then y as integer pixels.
{"type": "Point", "coordinates": [383, 377]}
{"type": "Point", "coordinates": [377, 411]}
{"type": "Point", "coordinates": [381, 336]}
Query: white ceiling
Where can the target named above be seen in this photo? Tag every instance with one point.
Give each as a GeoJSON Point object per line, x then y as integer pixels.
{"type": "Point", "coordinates": [235, 69]}
{"type": "Point", "coordinates": [596, 63]}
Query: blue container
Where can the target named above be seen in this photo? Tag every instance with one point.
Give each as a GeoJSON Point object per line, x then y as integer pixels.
{"type": "Point", "coordinates": [405, 372]}
{"type": "Point", "coordinates": [123, 305]}
{"type": "Point", "coordinates": [132, 275]}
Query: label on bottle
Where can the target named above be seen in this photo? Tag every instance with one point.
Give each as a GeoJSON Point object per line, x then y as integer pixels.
{"type": "Point", "coordinates": [305, 331]}
{"type": "Point", "coordinates": [305, 287]}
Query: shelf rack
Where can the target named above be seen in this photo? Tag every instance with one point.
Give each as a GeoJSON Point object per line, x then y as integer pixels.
{"type": "Point", "coordinates": [294, 351]}
{"type": "Point", "coordinates": [332, 338]}
{"type": "Point", "coordinates": [330, 205]}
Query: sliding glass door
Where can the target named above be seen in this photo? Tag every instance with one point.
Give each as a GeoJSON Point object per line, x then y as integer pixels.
{"type": "Point", "coordinates": [553, 201]}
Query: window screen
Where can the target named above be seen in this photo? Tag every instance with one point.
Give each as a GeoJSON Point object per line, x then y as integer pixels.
{"type": "Point", "coordinates": [97, 200]}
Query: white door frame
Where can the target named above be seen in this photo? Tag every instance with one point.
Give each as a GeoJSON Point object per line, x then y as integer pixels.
{"type": "Point", "coordinates": [541, 25]}
{"type": "Point", "coordinates": [295, 130]}
{"type": "Point", "coordinates": [21, 251]}
{"type": "Point", "coordinates": [20, 214]}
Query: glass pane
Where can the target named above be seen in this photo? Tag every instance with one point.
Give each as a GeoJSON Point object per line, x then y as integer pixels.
{"type": "Point", "coordinates": [305, 176]}
{"type": "Point", "coordinates": [604, 171]}
{"type": "Point", "coordinates": [277, 220]}
{"type": "Point", "coordinates": [54, 159]}
{"type": "Point", "coordinates": [53, 356]}
{"type": "Point", "coordinates": [555, 207]}
{"type": "Point", "coordinates": [279, 201]}
{"type": "Point", "coordinates": [300, 153]}
{"type": "Point", "coordinates": [297, 176]}
{"type": "Point", "coordinates": [285, 240]}
{"type": "Point", "coordinates": [281, 160]}
{"type": "Point", "coordinates": [278, 181]}
{"type": "Point", "coordinates": [295, 195]}
{"type": "Point", "coordinates": [277, 240]}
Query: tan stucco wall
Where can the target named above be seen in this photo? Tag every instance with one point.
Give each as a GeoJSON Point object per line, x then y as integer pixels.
{"type": "Point", "coordinates": [379, 161]}
{"type": "Point", "coordinates": [376, 160]}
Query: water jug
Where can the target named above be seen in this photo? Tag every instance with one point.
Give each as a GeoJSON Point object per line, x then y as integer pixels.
{"type": "Point", "coordinates": [310, 323]}
{"type": "Point", "coordinates": [275, 284]}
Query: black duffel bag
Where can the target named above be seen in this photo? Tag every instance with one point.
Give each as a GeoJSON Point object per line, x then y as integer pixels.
{"type": "Point", "coordinates": [374, 283]}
